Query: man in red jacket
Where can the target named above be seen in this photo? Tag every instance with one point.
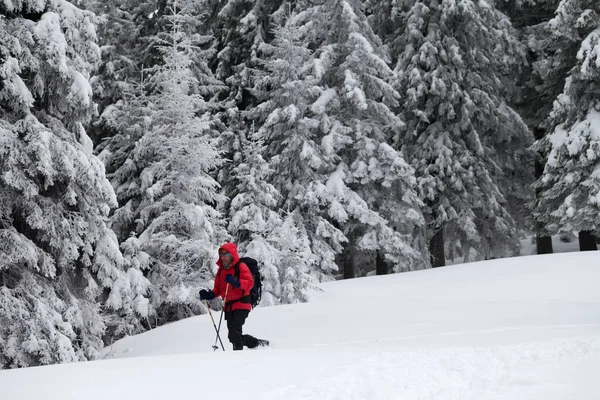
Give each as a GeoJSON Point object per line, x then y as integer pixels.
{"type": "Point", "coordinates": [236, 292]}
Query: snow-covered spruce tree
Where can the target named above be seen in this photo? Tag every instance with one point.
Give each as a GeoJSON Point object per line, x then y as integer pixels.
{"type": "Point", "coordinates": [529, 18]}
{"type": "Point", "coordinates": [163, 181]}
{"type": "Point", "coordinates": [119, 88]}
{"type": "Point", "coordinates": [308, 242]}
{"type": "Point", "coordinates": [240, 26]}
{"type": "Point", "coordinates": [384, 19]}
{"type": "Point", "coordinates": [130, 48]}
{"type": "Point", "coordinates": [570, 186]}
{"type": "Point", "coordinates": [254, 221]}
{"type": "Point", "coordinates": [463, 139]}
{"type": "Point", "coordinates": [298, 265]}
{"type": "Point", "coordinates": [59, 262]}
{"type": "Point", "coordinates": [129, 39]}
{"type": "Point", "coordinates": [328, 149]}
{"type": "Point", "coordinates": [560, 41]}
{"type": "Point", "coordinates": [373, 188]}
{"type": "Point", "coordinates": [119, 26]}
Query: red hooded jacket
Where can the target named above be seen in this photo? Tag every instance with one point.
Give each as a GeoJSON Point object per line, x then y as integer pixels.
{"type": "Point", "coordinates": [246, 281]}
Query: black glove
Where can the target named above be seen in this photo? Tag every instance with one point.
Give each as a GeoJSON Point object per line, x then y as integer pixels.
{"type": "Point", "coordinates": [232, 280]}
{"type": "Point", "coordinates": [207, 294]}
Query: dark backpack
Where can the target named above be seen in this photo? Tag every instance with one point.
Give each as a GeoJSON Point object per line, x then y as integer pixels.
{"type": "Point", "coordinates": [256, 291]}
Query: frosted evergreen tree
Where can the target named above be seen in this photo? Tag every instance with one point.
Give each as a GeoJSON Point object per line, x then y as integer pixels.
{"type": "Point", "coordinates": [570, 185]}
{"type": "Point", "coordinates": [285, 91]}
{"type": "Point", "coordinates": [384, 19]}
{"type": "Point", "coordinates": [119, 25]}
{"type": "Point", "coordinates": [59, 261]}
{"type": "Point", "coordinates": [373, 187]}
{"type": "Point", "coordinates": [297, 262]}
{"type": "Point", "coordinates": [559, 44]}
{"type": "Point", "coordinates": [240, 26]}
{"type": "Point", "coordinates": [330, 176]}
{"type": "Point", "coordinates": [254, 221]}
{"type": "Point", "coordinates": [164, 181]}
{"type": "Point", "coordinates": [530, 17]}
{"type": "Point", "coordinates": [129, 34]}
{"type": "Point", "coordinates": [462, 138]}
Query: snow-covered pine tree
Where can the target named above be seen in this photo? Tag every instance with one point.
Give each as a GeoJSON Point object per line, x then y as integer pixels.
{"type": "Point", "coordinates": [462, 137]}
{"type": "Point", "coordinates": [529, 18]}
{"type": "Point", "coordinates": [558, 41]}
{"type": "Point", "coordinates": [129, 39]}
{"type": "Point", "coordinates": [124, 117]}
{"type": "Point", "coordinates": [253, 219]}
{"type": "Point", "coordinates": [308, 241]}
{"type": "Point", "coordinates": [384, 19]}
{"type": "Point", "coordinates": [327, 147]}
{"type": "Point", "coordinates": [163, 180]}
{"type": "Point", "coordinates": [570, 186]}
{"type": "Point", "coordinates": [298, 267]}
{"type": "Point", "coordinates": [119, 26]}
{"type": "Point", "coordinates": [373, 188]}
{"type": "Point", "coordinates": [240, 26]}
{"type": "Point", "coordinates": [560, 48]}
{"type": "Point", "coordinates": [59, 261]}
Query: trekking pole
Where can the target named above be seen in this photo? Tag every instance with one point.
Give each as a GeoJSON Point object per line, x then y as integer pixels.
{"type": "Point", "coordinates": [221, 318]}
{"type": "Point", "coordinates": [215, 347]}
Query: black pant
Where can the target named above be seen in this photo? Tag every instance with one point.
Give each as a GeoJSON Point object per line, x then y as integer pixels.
{"type": "Point", "coordinates": [235, 320]}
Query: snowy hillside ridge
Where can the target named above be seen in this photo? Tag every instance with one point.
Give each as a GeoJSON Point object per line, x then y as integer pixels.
{"type": "Point", "coordinates": [525, 371]}
{"type": "Point", "coordinates": [515, 329]}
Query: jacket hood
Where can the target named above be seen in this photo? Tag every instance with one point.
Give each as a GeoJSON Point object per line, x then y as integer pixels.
{"type": "Point", "coordinates": [231, 248]}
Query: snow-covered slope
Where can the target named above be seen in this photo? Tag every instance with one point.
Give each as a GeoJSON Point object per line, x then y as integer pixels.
{"type": "Point", "coordinates": [520, 328]}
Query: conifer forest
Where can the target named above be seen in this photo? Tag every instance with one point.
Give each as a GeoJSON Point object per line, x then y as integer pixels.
{"type": "Point", "coordinates": [329, 139]}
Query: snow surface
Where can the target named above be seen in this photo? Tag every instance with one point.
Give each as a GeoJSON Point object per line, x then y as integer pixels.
{"type": "Point", "coordinates": [519, 329]}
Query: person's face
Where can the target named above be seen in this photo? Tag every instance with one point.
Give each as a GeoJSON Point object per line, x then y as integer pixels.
{"type": "Point", "coordinates": [226, 258]}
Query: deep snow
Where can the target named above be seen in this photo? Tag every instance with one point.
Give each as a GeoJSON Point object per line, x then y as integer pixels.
{"type": "Point", "coordinates": [518, 328]}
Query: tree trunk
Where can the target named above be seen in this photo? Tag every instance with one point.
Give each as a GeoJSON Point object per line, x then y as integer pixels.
{"type": "Point", "coordinates": [381, 267]}
{"type": "Point", "coordinates": [436, 249]}
{"type": "Point", "coordinates": [587, 241]}
{"type": "Point", "coordinates": [543, 243]}
{"type": "Point", "coordinates": [349, 270]}
{"type": "Point", "coordinates": [349, 257]}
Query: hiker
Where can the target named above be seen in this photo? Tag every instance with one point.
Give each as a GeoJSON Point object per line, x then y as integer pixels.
{"type": "Point", "coordinates": [233, 283]}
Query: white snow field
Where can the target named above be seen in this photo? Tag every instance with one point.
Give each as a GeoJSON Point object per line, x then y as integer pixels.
{"type": "Point", "coordinates": [525, 328]}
